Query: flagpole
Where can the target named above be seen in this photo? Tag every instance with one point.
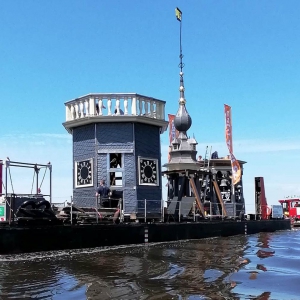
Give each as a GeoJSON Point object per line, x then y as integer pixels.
{"type": "Point", "coordinates": [178, 14]}
{"type": "Point", "coordinates": [181, 65]}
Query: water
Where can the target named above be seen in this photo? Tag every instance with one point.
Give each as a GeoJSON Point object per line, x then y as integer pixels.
{"type": "Point", "coordinates": [261, 266]}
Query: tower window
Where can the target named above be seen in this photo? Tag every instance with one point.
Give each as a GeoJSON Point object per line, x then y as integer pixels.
{"type": "Point", "coordinates": [116, 171]}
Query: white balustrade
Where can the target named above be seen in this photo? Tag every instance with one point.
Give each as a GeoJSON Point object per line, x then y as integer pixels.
{"type": "Point", "coordinates": [117, 110]}
{"type": "Point", "coordinates": [92, 107]}
{"type": "Point", "coordinates": [86, 103]}
{"type": "Point", "coordinates": [105, 105]}
{"type": "Point", "coordinates": [125, 106]}
{"type": "Point", "coordinates": [100, 107]}
{"type": "Point", "coordinates": [133, 106]}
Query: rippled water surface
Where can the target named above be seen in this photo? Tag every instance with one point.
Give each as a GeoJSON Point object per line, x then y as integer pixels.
{"type": "Point", "coordinates": [261, 266]}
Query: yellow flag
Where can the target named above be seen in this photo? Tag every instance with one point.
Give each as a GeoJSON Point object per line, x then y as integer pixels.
{"type": "Point", "coordinates": [178, 14]}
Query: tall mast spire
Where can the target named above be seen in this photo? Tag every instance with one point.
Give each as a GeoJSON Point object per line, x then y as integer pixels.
{"type": "Point", "coordinates": [182, 149]}
{"type": "Point", "coordinates": [181, 64]}
{"type": "Point", "coordinates": [182, 120]}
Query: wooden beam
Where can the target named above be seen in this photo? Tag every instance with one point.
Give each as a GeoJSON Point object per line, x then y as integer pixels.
{"type": "Point", "coordinates": [219, 196]}
{"type": "Point", "coordinates": [198, 199]}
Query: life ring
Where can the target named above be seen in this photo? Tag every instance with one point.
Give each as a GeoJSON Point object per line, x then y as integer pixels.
{"type": "Point", "coordinates": [269, 211]}
{"type": "Point", "coordinates": [44, 203]}
{"type": "Point", "coordinates": [28, 203]}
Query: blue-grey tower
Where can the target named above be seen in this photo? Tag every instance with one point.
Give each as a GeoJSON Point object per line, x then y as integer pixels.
{"type": "Point", "coordinates": [116, 138]}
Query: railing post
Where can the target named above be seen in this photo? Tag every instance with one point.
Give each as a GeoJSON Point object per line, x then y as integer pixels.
{"type": "Point", "coordinates": [86, 106]}
{"type": "Point", "coordinates": [73, 112]}
{"type": "Point", "coordinates": [163, 210]}
{"type": "Point", "coordinates": [121, 209]}
{"type": "Point", "coordinates": [76, 106]}
{"type": "Point", "coordinates": [81, 110]}
{"type": "Point", "coordinates": [133, 106]}
{"type": "Point", "coordinates": [210, 210]}
{"type": "Point", "coordinates": [158, 110]}
{"type": "Point", "coordinates": [68, 112]}
{"type": "Point", "coordinates": [179, 213]}
{"type": "Point", "coordinates": [71, 211]}
{"type": "Point", "coordinates": [125, 106]}
{"type": "Point", "coordinates": [194, 210]}
{"type": "Point", "coordinates": [162, 111]}
{"type": "Point", "coordinates": [117, 106]}
{"type": "Point", "coordinates": [234, 209]}
{"type": "Point", "coordinates": [141, 100]}
{"type": "Point", "coordinates": [91, 106]}
{"type": "Point", "coordinates": [151, 109]}
{"type": "Point", "coordinates": [97, 209]}
{"type": "Point", "coordinates": [145, 210]}
{"type": "Point", "coordinates": [146, 107]}
{"type": "Point", "coordinates": [109, 107]}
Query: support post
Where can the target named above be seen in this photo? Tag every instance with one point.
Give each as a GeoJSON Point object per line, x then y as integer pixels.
{"type": "Point", "coordinates": [219, 196]}
{"type": "Point", "coordinates": [162, 211]}
{"type": "Point", "coordinates": [194, 209]}
{"type": "Point", "coordinates": [197, 196]}
{"type": "Point", "coordinates": [50, 168]}
{"type": "Point", "coordinates": [71, 210]}
{"type": "Point", "coordinates": [179, 212]}
{"type": "Point", "coordinates": [97, 209]}
{"type": "Point", "coordinates": [145, 211]}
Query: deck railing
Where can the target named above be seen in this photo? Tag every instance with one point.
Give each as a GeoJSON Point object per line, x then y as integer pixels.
{"type": "Point", "coordinates": [125, 104]}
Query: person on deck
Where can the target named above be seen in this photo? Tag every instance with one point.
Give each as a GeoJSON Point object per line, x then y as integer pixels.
{"type": "Point", "coordinates": [102, 190]}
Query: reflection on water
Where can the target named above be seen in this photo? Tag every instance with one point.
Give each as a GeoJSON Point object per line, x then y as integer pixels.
{"type": "Point", "coordinates": [262, 266]}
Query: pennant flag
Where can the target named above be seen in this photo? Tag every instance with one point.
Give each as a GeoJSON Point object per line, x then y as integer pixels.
{"type": "Point", "coordinates": [236, 168]}
{"type": "Point", "coordinates": [228, 128]}
{"type": "Point", "coordinates": [178, 14]}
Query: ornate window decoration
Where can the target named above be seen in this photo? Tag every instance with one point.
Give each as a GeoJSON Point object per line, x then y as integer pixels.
{"type": "Point", "coordinates": [84, 173]}
{"type": "Point", "coordinates": [148, 171]}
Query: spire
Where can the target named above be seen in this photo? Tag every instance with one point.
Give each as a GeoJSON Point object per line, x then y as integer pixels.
{"type": "Point", "coordinates": [182, 120]}
{"type": "Point", "coordinates": [182, 149]}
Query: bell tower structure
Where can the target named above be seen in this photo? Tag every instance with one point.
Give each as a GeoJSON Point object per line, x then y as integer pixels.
{"type": "Point", "coordinates": [116, 138]}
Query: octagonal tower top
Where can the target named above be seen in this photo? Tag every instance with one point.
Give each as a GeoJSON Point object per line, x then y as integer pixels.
{"type": "Point", "coordinates": [115, 107]}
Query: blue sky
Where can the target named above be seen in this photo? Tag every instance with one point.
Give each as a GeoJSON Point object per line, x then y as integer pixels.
{"type": "Point", "coordinates": [242, 53]}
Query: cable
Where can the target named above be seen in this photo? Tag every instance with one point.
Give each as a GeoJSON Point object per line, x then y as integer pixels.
{"type": "Point", "coordinates": [32, 182]}
{"type": "Point", "coordinates": [12, 187]}
{"type": "Point", "coordinates": [43, 178]}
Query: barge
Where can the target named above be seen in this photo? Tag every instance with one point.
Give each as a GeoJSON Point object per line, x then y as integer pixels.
{"type": "Point", "coordinates": [116, 138]}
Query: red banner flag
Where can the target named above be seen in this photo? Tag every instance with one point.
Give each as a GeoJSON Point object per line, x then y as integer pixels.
{"type": "Point", "coordinates": [228, 128]}
{"type": "Point", "coordinates": [236, 168]}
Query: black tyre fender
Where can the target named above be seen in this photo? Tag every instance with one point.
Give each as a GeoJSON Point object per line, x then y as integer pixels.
{"type": "Point", "coordinates": [28, 203]}
{"type": "Point", "coordinates": [43, 203]}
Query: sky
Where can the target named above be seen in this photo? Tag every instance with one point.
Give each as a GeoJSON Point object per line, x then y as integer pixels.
{"type": "Point", "coordinates": [242, 53]}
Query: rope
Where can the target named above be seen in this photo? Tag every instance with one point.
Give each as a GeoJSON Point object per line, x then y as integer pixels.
{"type": "Point", "coordinates": [12, 187]}
{"type": "Point", "coordinates": [43, 177]}
{"type": "Point", "coordinates": [32, 182]}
